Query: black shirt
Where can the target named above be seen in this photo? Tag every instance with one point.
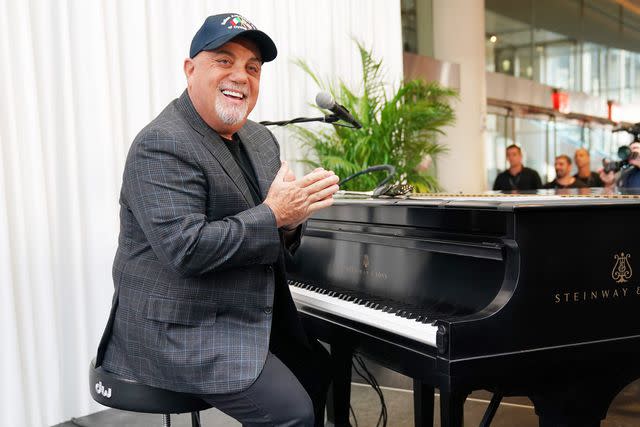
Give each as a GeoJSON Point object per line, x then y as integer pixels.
{"type": "Point", "coordinates": [527, 179]}
{"type": "Point", "coordinates": [286, 330]}
{"type": "Point", "coordinates": [576, 184]}
{"type": "Point", "coordinates": [593, 180]}
{"type": "Point", "coordinates": [239, 153]}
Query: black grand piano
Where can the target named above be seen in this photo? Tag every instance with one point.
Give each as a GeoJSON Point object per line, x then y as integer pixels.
{"type": "Point", "coordinates": [534, 296]}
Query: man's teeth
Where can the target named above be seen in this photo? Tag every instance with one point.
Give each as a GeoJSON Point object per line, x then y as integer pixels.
{"type": "Point", "coordinates": [233, 93]}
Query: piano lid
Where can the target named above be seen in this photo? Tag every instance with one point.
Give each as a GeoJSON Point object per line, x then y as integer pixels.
{"type": "Point", "coordinates": [497, 201]}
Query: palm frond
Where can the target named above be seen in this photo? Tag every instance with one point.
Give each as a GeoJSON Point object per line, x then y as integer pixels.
{"type": "Point", "coordinates": [399, 130]}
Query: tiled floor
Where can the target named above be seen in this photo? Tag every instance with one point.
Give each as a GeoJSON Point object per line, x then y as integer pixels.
{"type": "Point", "coordinates": [625, 411]}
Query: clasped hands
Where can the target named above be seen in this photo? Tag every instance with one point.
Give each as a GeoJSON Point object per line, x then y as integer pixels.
{"type": "Point", "coordinates": [294, 200]}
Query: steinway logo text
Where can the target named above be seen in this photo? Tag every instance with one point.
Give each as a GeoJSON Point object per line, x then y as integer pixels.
{"type": "Point", "coordinates": [363, 269]}
{"type": "Point", "coordinates": [621, 273]}
{"type": "Point", "coordinates": [599, 294]}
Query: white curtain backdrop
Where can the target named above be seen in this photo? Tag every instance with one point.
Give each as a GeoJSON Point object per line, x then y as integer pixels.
{"type": "Point", "coordinates": [78, 80]}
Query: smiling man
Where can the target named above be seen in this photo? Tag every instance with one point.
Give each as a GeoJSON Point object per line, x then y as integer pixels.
{"type": "Point", "coordinates": [201, 304]}
{"type": "Point", "coordinates": [563, 178]}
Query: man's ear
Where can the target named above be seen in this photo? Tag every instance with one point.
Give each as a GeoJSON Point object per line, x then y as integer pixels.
{"type": "Point", "coordinates": [188, 67]}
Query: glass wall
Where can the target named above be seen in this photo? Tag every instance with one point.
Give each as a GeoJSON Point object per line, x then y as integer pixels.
{"type": "Point", "coordinates": [409, 26]}
{"type": "Point", "coordinates": [532, 135]}
{"type": "Point", "coordinates": [499, 135]}
{"type": "Point", "coordinates": [519, 49]}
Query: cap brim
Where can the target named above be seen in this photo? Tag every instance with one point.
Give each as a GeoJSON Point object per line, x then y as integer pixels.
{"type": "Point", "coordinates": [267, 47]}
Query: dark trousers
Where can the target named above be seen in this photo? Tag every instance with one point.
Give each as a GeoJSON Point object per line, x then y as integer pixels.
{"type": "Point", "coordinates": [290, 391]}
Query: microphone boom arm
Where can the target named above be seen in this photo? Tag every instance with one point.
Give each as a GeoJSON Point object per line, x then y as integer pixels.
{"type": "Point", "coordinates": [330, 118]}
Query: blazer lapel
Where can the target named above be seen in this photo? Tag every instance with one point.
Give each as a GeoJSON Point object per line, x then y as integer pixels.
{"type": "Point", "coordinates": [214, 144]}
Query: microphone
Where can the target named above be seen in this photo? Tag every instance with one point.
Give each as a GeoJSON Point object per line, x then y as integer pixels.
{"type": "Point", "coordinates": [325, 100]}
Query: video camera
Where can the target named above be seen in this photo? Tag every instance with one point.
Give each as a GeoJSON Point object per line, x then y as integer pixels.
{"type": "Point", "coordinates": [624, 152]}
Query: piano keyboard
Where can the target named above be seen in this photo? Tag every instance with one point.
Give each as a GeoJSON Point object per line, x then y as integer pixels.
{"type": "Point", "coordinates": [416, 328]}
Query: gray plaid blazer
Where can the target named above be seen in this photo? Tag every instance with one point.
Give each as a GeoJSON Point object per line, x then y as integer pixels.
{"type": "Point", "coordinates": [194, 270]}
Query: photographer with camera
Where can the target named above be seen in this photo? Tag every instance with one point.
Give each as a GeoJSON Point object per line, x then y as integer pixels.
{"type": "Point", "coordinates": [628, 167]}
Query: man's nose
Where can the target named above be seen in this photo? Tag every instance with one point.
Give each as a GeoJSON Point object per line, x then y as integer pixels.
{"type": "Point", "coordinates": [239, 75]}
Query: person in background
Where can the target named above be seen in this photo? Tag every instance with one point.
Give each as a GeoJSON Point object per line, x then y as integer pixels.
{"type": "Point", "coordinates": [585, 174]}
{"type": "Point", "coordinates": [628, 178]}
{"type": "Point", "coordinates": [517, 177]}
{"type": "Point", "coordinates": [564, 179]}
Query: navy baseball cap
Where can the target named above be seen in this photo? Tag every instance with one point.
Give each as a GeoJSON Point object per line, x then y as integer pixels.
{"type": "Point", "coordinates": [219, 29]}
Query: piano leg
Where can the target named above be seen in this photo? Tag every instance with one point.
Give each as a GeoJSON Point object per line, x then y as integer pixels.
{"type": "Point", "coordinates": [422, 404]}
{"type": "Point", "coordinates": [579, 403]}
{"type": "Point", "coordinates": [339, 398]}
{"type": "Point", "coordinates": [562, 411]}
{"type": "Point", "coordinates": [452, 408]}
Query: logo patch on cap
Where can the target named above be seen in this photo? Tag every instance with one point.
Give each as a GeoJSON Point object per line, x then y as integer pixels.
{"type": "Point", "coordinates": [237, 22]}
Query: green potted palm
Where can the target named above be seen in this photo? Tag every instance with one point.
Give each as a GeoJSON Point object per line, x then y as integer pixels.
{"type": "Point", "coordinates": [399, 130]}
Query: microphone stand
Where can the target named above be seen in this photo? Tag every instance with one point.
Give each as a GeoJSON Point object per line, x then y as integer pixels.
{"type": "Point", "coordinates": [331, 118]}
{"type": "Point", "coordinates": [383, 188]}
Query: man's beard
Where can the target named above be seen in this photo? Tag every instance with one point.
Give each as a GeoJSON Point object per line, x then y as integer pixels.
{"type": "Point", "coordinates": [230, 114]}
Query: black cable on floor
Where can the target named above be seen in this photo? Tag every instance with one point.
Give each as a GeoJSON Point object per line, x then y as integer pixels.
{"type": "Point", "coordinates": [371, 380]}
{"type": "Point", "coordinates": [353, 414]}
{"type": "Point", "coordinates": [383, 406]}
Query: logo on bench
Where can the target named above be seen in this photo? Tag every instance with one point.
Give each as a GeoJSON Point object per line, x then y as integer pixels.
{"type": "Point", "coordinates": [100, 389]}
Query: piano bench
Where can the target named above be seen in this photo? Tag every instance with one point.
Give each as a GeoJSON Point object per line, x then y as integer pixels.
{"type": "Point", "coordinates": [111, 390]}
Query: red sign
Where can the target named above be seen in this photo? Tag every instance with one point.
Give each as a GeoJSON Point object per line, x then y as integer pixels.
{"type": "Point", "coordinates": [613, 111]}
{"type": "Point", "coordinates": [560, 101]}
